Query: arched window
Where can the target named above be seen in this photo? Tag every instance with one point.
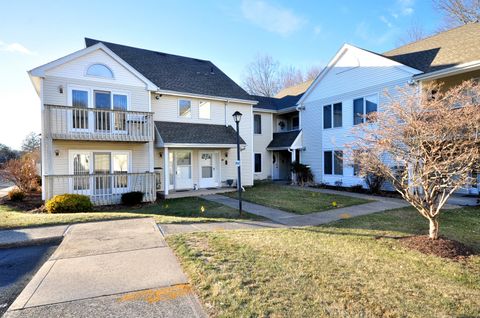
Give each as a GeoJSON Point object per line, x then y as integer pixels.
{"type": "Point", "coordinates": [99, 70]}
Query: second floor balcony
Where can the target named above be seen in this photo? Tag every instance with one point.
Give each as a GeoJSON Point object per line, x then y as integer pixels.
{"type": "Point", "coordinates": [77, 123]}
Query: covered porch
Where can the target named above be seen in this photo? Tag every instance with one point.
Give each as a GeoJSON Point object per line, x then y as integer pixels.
{"type": "Point", "coordinates": [286, 148]}
{"type": "Point", "coordinates": [195, 159]}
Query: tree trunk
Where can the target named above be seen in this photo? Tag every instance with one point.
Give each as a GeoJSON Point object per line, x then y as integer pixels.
{"type": "Point", "coordinates": [433, 233]}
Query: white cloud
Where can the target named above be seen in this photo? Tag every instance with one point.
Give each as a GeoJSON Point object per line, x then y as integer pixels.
{"type": "Point", "coordinates": [386, 21]}
{"type": "Point", "coordinates": [366, 34]}
{"type": "Point", "coordinates": [15, 48]}
{"type": "Point", "coordinates": [403, 8]}
{"type": "Point", "coordinates": [272, 18]}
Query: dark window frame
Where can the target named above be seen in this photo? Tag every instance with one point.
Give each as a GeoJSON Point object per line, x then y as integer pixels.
{"type": "Point", "coordinates": [327, 120]}
{"type": "Point", "coordinates": [328, 162]}
{"type": "Point", "coordinates": [257, 164]}
{"type": "Point", "coordinates": [257, 125]}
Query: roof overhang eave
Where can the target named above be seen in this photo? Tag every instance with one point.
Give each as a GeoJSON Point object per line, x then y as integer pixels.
{"type": "Point", "coordinates": [454, 70]}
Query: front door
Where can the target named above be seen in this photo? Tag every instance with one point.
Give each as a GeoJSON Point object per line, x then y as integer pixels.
{"type": "Point", "coordinates": [276, 167]}
{"type": "Point", "coordinates": [208, 169]}
{"type": "Point", "coordinates": [183, 170]}
{"type": "Point", "coordinates": [101, 169]}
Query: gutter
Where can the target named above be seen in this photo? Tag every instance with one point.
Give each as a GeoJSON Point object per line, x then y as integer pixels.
{"type": "Point", "coordinates": [457, 69]}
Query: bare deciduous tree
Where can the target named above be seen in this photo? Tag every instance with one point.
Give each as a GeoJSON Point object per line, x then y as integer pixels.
{"type": "Point", "coordinates": [262, 76]}
{"type": "Point", "coordinates": [31, 142]}
{"type": "Point", "coordinates": [458, 12]}
{"type": "Point", "coordinates": [427, 147]}
{"type": "Point", "coordinates": [413, 33]}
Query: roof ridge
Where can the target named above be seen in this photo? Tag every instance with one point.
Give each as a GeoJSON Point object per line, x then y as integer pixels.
{"type": "Point", "coordinates": [431, 36]}
{"type": "Point", "coordinates": [152, 51]}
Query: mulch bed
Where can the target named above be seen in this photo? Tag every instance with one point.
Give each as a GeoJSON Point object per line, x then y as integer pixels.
{"type": "Point", "coordinates": [441, 247]}
{"type": "Point", "coordinates": [32, 203]}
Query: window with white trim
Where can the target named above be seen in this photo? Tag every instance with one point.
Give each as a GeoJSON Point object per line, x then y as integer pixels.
{"type": "Point", "coordinates": [185, 108]}
{"type": "Point", "coordinates": [332, 116]}
{"type": "Point", "coordinates": [333, 162]}
{"type": "Point", "coordinates": [99, 70]}
{"type": "Point", "coordinates": [364, 106]}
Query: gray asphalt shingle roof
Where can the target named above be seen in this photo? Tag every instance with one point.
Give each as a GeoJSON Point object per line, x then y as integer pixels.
{"type": "Point", "coordinates": [273, 103]}
{"type": "Point", "coordinates": [283, 139]}
{"type": "Point", "coordinates": [178, 73]}
{"type": "Point", "coordinates": [190, 133]}
{"type": "Point", "coordinates": [443, 50]}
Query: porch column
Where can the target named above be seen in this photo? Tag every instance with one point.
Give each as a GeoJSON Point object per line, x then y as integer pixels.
{"type": "Point", "coordinates": [293, 154]}
{"type": "Point", "coordinates": [166, 174]}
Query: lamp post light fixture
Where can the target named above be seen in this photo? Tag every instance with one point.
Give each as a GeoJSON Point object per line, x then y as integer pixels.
{"type": "Point", "coordinates": [237, 116]}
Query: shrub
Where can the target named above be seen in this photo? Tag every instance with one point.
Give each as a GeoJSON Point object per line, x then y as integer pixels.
{"type": "Point", "coordinates": [358, 188]}
{"type": "Point", "coordinates": [66, 203]}
{"type": "Point", "coordinates": [303, 173]}
{"type": "Point", "coordinates": [132, 198]}
{"type": "Point", "coordinates": [374, 182]}
{"type": "Point", "coordinates": [16, 194]}
{"type": "Point", "coordinates": [22, 172]}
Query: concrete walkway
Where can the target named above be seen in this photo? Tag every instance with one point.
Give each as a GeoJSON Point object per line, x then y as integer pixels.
{"type": "Point", "coordinates": [109, 269]}
{"type": "Point", "coordinates": [290, 219]}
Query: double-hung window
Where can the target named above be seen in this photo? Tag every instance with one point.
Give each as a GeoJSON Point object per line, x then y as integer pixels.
{"type": "Point", "coordinates": [333, 162]}
{"type": "Point", "coordinates": [364, 106]}
{"type": "Point", "coordinates": [204, 110]}
{"type": "Point", "coordinates": [332, 116]}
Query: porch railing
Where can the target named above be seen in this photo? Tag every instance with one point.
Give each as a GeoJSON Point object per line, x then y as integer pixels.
{"type": "Point", "coordinates": [102, 189]}
{"type": "Point", "coordinates": [77, 123]}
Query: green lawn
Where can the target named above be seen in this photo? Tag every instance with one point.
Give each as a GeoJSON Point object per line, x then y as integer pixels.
{"type": "Point", "coordinates": [294, 200]}
{"type": "Point", "coordinates": [168, 211]}
{"type": "Point", "coordinates": [342, 269]}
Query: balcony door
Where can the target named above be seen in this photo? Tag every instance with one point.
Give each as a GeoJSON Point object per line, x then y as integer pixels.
{"type": "Point", "coordinates": [183, 170]}
{"type": "Point", "coordinates": [79, 116]}
{"type": "Point", "coordinates": [102, 104]}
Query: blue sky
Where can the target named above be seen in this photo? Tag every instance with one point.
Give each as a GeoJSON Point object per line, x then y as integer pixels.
{"type": "Point", "coordinates": [229, 33]}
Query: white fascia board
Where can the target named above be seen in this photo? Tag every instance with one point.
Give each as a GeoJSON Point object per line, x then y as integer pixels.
{"type": "Point", "coordinates": [297, 143]}
{"type": "Point", "coordinates": [263, 110]}
{"type": "Point", "coordinates": [210, 146]}
{"type": "Point", "coordinates": [219, 98]}
{"type": "Point", "coordinates": [288, 110]}
{"type": "Point", "coordinates": [454, 70]}
{"type": "Point", "coordinates": [340, 53]}
{"type": "Point", "coordinates": [40, 71]}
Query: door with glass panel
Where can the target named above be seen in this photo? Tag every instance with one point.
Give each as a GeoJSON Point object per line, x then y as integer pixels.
{"type": "Point", "coordinates": [119, 116]}
{"type": "Point", "coordinates": [79, 115]}
{"type": "Point", "coordinates": [102, 170]}
{"type": "Point", "coordinates": [183, 170]}
{"type": "Point", "coordinates": [208, 169]}
{"type": "Point", "coordinates": [81, 182]}
{"type": "Point", "coordinates": [102, 103]}
{"type": "Point", "coordinates": [120, 170]}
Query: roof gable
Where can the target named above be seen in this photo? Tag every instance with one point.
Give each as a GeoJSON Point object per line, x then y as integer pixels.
{"type": "Point", "coordinates": [178, 73]}
{"type": "Point", "coordinates": [42, 70]}
{"type": "Point", "coordinates": [349, 68]}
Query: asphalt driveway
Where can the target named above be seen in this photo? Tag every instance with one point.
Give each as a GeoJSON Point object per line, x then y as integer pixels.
{"type": "Point", "coordinates": [17, 267]}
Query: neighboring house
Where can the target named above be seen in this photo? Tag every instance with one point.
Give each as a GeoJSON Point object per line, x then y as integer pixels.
{"type": "Point", "coordinates": [118, 119]}
{"type": "Point", "coordinates": [353, 84]}
{"type": "Point", "coordinates": [277, 135]}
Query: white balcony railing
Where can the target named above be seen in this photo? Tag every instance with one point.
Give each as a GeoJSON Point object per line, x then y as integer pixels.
{"type": "Point", "coordinates": [76, 123]}
{"type": "Point", "coordinates": [103, 189]}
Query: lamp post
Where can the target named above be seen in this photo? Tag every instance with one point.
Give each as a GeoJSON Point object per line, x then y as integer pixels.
{"type": "Point", "coordinates": [237, 116]}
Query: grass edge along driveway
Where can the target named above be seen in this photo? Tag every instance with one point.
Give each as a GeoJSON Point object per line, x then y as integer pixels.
{"type": "Point", "coordinates": [295, 200]}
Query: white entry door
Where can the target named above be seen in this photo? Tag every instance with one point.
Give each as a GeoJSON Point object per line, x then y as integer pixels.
{"type": "Point", "coordinates": [183, 170]}
{"type": "Point", "coordinates": [208, 169]}
{"type": "Point", "coordinates": [276, 167]}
